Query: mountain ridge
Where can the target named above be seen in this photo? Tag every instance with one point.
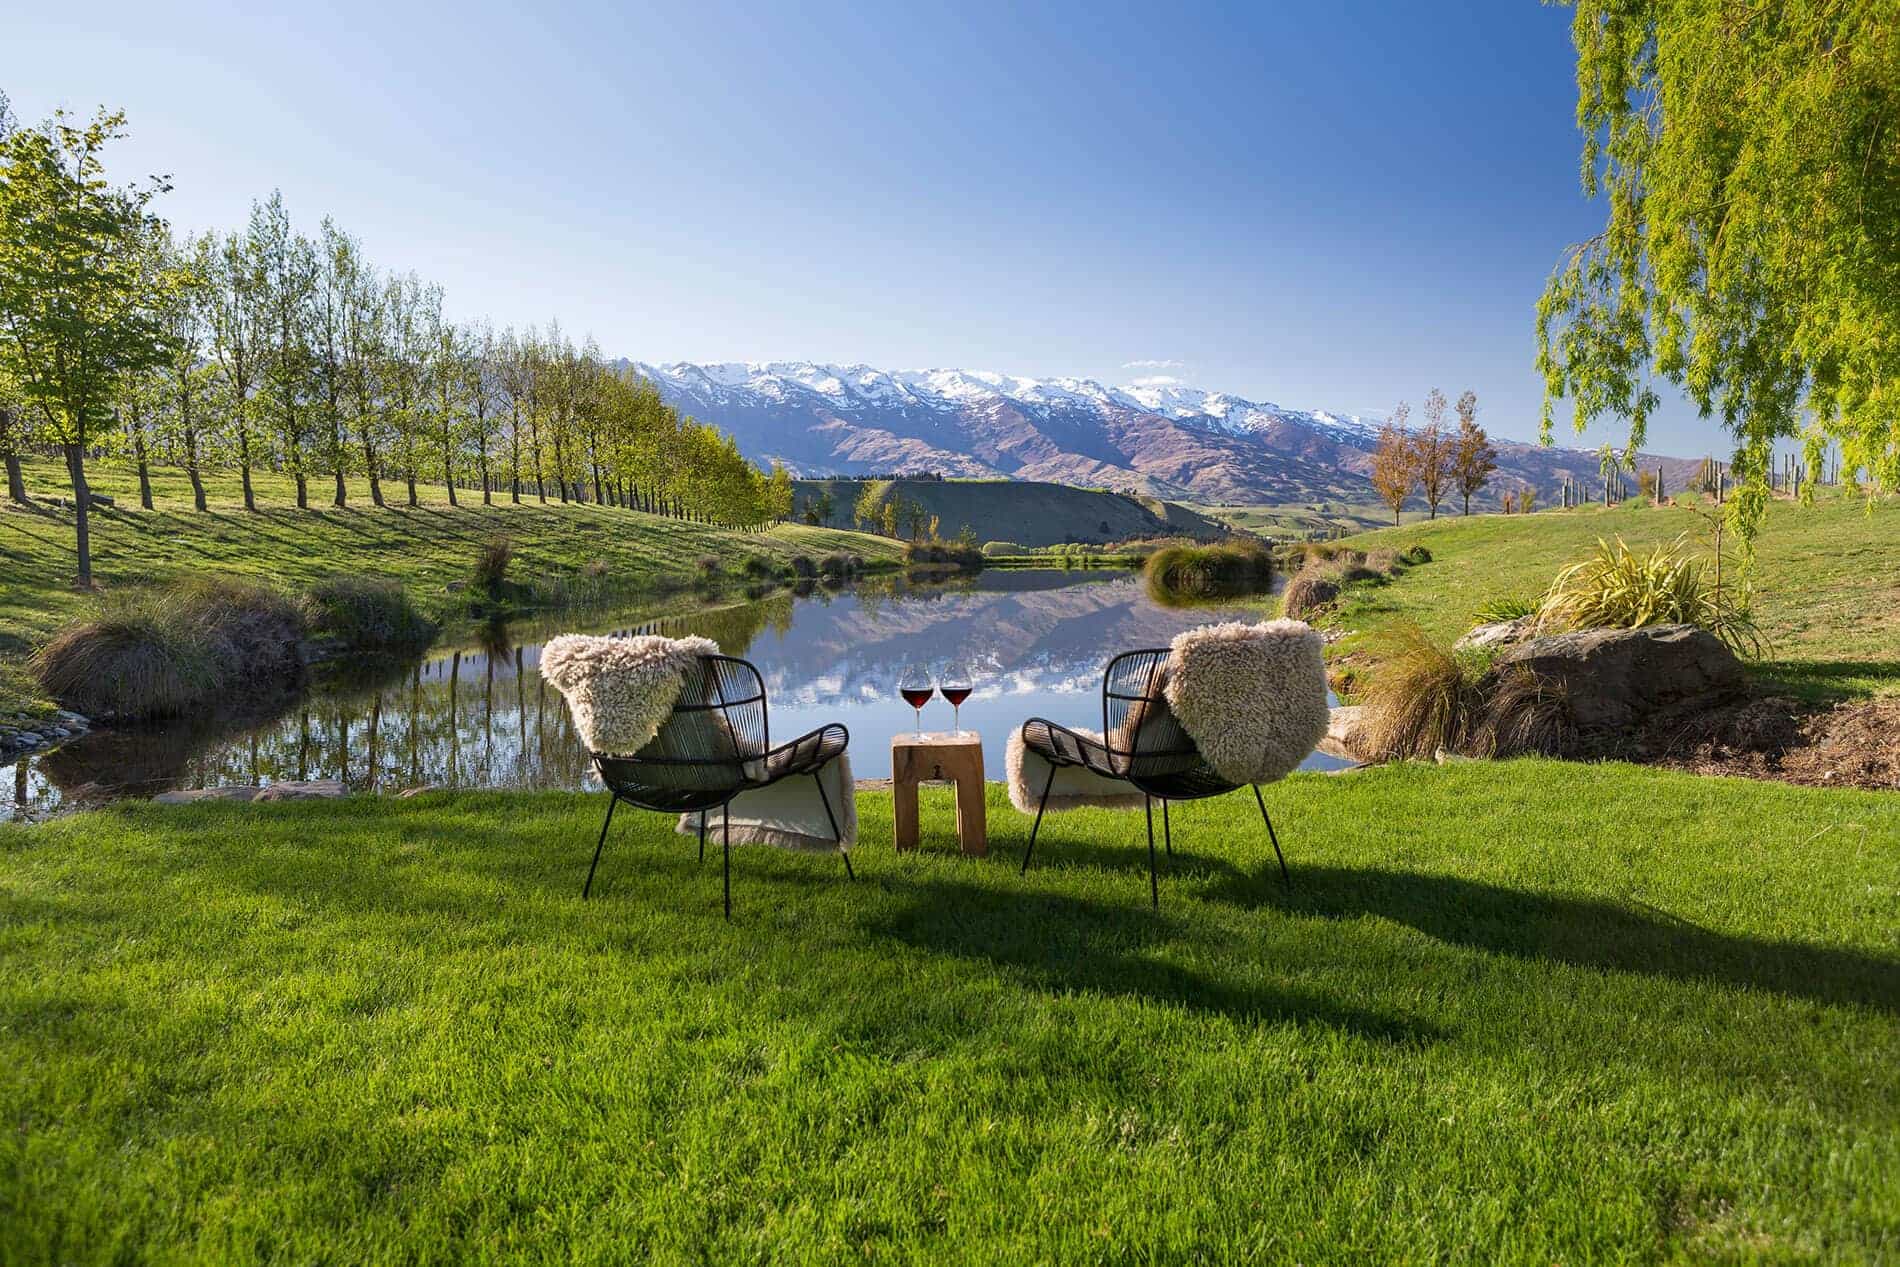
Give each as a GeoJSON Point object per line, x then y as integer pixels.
{"type": "Point", "coordinates": [1152, 438]}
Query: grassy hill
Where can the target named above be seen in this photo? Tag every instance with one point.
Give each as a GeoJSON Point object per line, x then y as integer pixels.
{"type": "Point", "coordinates": [590, 550]}
{"type": "Point", "coordinates": [1305, 519]}
{"type": "Point", "coordinates": [1023, 511]}
{"type": "Point", "coordinates": [1827, 579]}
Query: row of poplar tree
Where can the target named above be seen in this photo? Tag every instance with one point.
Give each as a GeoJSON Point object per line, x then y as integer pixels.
{"type": "Point", "coordinates": [266, 349]}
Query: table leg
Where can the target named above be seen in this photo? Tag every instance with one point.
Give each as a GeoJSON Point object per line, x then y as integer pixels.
{"type": "Point", "coordinates": [972, 814]}
{"type": "Point", "coordinates": [904, 813]}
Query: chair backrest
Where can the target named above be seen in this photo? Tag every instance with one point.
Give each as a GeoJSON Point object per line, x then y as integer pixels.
{"type": "Point", "coordinates": [1144, 738]}
{"type": "Point", "coordinates": [717, 727]}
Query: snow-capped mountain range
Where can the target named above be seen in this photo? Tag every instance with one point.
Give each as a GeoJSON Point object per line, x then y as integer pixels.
{"type": "Point", "coordinates": [1161, 438]}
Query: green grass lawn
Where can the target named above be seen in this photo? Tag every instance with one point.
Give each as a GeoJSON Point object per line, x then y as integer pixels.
{"type": "Point", "coordinates": [1524, 1011]}
{"type": "Point", "coordinates": [1827, 579]}
{"type": "Point", "coordinates": [424, 548]}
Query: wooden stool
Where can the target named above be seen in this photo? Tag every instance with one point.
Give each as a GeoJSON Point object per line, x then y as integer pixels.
{"type": "Point", "coordinates": [959, 758]}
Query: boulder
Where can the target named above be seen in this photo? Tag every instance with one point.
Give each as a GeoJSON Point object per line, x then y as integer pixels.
{"type": "Point", "coordinates": [1501, 633]}
{"type": "Point", "coordinates": [302, 790]}
{"type": "Point", "coordinates": [1342, 728]}
{"type": "Point", "coordinates": [1614, 678]}
{"type": "Point", "coordinates": [190, 795]}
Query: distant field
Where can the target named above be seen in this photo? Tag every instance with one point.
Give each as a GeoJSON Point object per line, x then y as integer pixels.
{"type": "Point", "coordinates": [1028, 513]}
{"type": "Point", "coordinates": [425, 548]}
{"type": "Point", "coordinates": [1827, 579]}
{"type": "Point", "coordinates": [1305, 519]}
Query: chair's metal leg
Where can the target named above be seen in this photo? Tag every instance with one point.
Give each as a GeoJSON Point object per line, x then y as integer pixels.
{"type": "Point", "coordinates": [836, 834]}
{"type": "Point", "coordinates": [599, 845]}
{"type": "Point", "coordinates": [1154, 885]}
{"type": "Point", "coordinates": [1167, 833]}
{"type": "Point", "coordinates": [725, 828]}
{"type": "Point", "coordinates": [702, 835]}
{"type": "Point", "coordinates": [1037, 825]}
{"type": "Point", "coordinates": [1285, 879]}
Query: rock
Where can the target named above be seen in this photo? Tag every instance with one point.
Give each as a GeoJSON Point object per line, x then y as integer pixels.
{"type": "Point", "coordinates": [29, 739]}
{"type": "Point", "coordinates": [455, 587]}
{"type": "Point", "coordinates": [190, 795]}
{"type": "Point", "coordinates": [1614, 678]}
{"type": "Point", "coordinates": [1501, 633]}
{"type": "Point", "coordinates": [1342, 733]}
{"type": "Point", "coordinates": [303, 790]}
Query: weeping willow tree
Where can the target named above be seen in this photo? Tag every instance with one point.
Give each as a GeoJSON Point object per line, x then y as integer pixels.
{"type": "Point", "coordinates": [1748, 152]}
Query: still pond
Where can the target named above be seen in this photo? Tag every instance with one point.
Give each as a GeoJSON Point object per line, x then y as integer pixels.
{"type": "Point", "coordinates": [1035, 643]}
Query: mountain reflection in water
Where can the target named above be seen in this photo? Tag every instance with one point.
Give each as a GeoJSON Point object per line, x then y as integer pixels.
{"type": "Point", "coordinates": [482, 717]}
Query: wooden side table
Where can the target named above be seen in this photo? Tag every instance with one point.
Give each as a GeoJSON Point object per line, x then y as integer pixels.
{"type": "Point", "coordinates": [957, 757]}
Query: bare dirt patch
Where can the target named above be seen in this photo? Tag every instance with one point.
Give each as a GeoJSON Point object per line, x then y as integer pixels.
{"type": "Point", "coordinates": [1856, 744]}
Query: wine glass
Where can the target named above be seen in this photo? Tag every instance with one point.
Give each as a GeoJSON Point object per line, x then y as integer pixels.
{"type": "Point", "coordinates": [914, 684]}
{"type": "Point", "coordinates": [956, 682]}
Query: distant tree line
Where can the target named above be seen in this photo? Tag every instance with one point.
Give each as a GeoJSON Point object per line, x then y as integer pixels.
{"type": "Point", "coordinates": [1435, 462]}
{"type": "Point", "coordinates": [265, 349]}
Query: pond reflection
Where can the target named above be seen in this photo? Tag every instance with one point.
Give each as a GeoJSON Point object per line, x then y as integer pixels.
{"type": "Point", "coordinates": [482, 717]}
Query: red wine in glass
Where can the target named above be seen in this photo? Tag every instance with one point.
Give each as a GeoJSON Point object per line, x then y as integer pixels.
{"type": "Point", "coordinates": [916, 686]}
{"type": "Point", "coordinates": [956, 684]}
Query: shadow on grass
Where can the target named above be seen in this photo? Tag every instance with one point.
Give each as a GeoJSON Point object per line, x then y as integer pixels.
{"type": "Point", "coordinates": [1064, 945]}
{"type": "Point", "coordinates": [1829, 681]}
{"type": "Point", "coordinates": [1581, 931]}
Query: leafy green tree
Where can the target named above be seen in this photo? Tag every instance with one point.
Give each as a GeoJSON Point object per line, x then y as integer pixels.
{"type": "Point", "coordinates": [408, 306]}
{"type": "Point", "coordinates": [1749, 158]}
{"type": "Point", "coordinates": [237, 342]}
{"type": "Point", "coordinates": [339, 265]}
{"type": "Point", "coordinates": [77, 308]}
{"type": "Point", "coordinates": [448, 377]}
{"type": "Point", "coordinates": [187, 424]}
{"type": "Point", "coordinates": [479, 391]}
{"type": "Point", "coordinates": [16, 433]}
{"type": "Point", "coordinates": [287, 273]}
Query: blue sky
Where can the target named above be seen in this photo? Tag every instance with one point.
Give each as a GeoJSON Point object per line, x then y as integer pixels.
{"type": "Point", "coordinates": [1327, 206]}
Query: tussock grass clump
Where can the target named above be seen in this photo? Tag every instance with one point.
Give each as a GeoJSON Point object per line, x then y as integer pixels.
{"type": "Point", "coordinates": [1525, 714]}
{"type": "Point", "coordinates": [1387, 562]}
{"type": "Point", "coordinates": [1618, 588]}
{"type": "Point", "coordinates": [1415, 555]}
{"type": "Point", "coordinates": [803, 568]}
{"type": "Point", "coordinates": [491, 565]}
{"type": "Point", "coordinates": [757, 567]}
{"type": "Point", "coordinates": [364, 612]}
{"type": "Point", "coordinates": [708, 564]}
{"type": "Point", "coordinates": [1422, 699]}
{"type": "Point", "coordinates": [1308, 592]}
{"type": "Point", "coordinates": [162, 652]}
{"type": "Point", "coordinates": [1228, 569]}
{"type": "Point", "coordinates": [840, 566]}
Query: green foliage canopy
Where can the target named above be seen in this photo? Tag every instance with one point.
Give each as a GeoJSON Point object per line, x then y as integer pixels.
{"type": "Point", "coordinates": [1749, 155]}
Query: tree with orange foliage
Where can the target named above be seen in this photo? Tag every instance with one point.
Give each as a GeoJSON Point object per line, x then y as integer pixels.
{"type": "Point", "coordinates": [1472, 457]}
{"type": "Point", "coordinates": [1395, 461]}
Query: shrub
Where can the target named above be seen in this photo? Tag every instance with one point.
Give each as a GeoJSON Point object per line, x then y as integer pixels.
{"type": "Point", "coordinates": [1415, 555]}
{"type": "Point", "coordinates": [1618, 588]}
{"type": "Point", "coordinates": [491, 565]}
{"type": "Point", "coordinates": [803, 567]}
{"type": "Point", "coordinates": [1308, 592]}
{"type": "Point", "coordinates": [936, 552]}
{"type": "Point", "coordinates": [1509, 607]}
{"type": "Point", "coordinates": [1422, 698]}
{"type": "Point", "coordinates": [1196, 572]}
{"type": "Point", "coordinates": [708, 564]}
{"type": "Point", "coordinates": [758, 567]}
{"type": "Point", "coordinates": [839, 566]}
{"type": "Point", "coordinates": [161, 652]}
{"type": "Point", "coordinates": [365, 612]}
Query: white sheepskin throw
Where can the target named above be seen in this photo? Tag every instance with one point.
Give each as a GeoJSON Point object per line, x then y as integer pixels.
{"type": "Point", "coordinates": [1252, 696]}
{"type": "Point", "coordinates": [620, 690]}
{"type": "Point", "coordinates": [1074, 786]}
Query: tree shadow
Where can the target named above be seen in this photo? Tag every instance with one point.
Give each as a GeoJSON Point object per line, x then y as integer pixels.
{"type": "Point", "coordinates": [1065, 945]}
{"type": "Point", "coordinates": [1584, 932]}
{"type": "Point", "coordinates": [1827, 681]}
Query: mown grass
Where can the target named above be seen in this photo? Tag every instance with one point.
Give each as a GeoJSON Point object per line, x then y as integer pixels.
{"type": "Point", "coordinates": [1827, 580]}
{"type": "Point", "coordinates": [425, 549]}
{"type": "Point", "coordinates": [1523, 1012]}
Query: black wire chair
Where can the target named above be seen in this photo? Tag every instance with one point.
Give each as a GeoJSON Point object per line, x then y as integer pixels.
{"type": "Point", "coordinates": [715, 745]}
{"type": "Point", "coordinates": [1143, 744]}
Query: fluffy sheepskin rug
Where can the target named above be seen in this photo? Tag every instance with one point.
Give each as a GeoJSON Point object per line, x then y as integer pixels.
{"type": "Point", "coordinates": [1074, 787]}
{"type": "Point", "coordinates": [1252, 696]}
{"type": "Point", "coordinates": [790, 814]}
{"type": "Point", "coordinates": [620, 690]}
